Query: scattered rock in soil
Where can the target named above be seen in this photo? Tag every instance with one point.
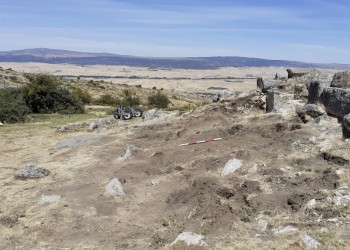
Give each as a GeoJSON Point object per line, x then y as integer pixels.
{"type": "Point", "coordinates": [310, 204]}
{"type": "Point", "coordinates": [285, 230]}
{"type": "Point", "coordinates": [310, 242]}
{"type": "Point", "coordinates": [190, 238]}
{"type": "Point", "coordinates": [1, 124]}
{"type": "Point", "coordinates": [92, 126]}
{"type": "Point", "coordinates": [127, 151]}
{"type": "Point", "coordinates": [32, 172]}
{"type": "Point", "coordinates": [114, 188]}
{"type": "Point", "coordinates": [63, 128]}
{"type": "Point", "coordinates": [262, 224]}
{"type": "Point", "coordinates": [49, 199]}
{"type": "Point", "coordinates": [231, 166]}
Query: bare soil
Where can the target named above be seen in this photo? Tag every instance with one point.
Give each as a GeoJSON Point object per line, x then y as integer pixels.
{"type": "Point", "coordinates": [170, 189]}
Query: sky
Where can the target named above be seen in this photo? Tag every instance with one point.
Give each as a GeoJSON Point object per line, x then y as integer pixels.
{"type": "Point", "coordinates": [302, 30]}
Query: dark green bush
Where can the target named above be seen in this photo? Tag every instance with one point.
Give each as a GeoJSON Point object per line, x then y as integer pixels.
{"type": "Point", "coordinates": [12, 106]}
{"type": "Point", "coordinates": [44, 94]}
{"type": "Point", "coordinates": [158, 100]}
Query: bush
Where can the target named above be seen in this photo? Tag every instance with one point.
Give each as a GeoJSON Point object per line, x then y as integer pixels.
{"type": "Point", "coordinates": [130, 99]}
{"type": "Point", "coordinates": [83, 95]}
{"type": "Point", "coordinates": [107, 99]}
{"type": "Point", "coordinates": [12, 106]}
{"type": "Point", "coordinates": [44, 94]}
{"type": "Point", "coordinates": [158, 100]}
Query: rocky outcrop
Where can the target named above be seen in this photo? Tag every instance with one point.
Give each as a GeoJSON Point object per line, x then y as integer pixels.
{"type": "Point", "coordinates": [267, 84]}
{"type": "Point", "coordinates": [341, 80]}
{"type": "Point", "coordinates": [336, 101]}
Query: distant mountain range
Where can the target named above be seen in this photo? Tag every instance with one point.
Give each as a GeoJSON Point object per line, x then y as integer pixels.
{"type": "Point", "coordinates": [84, 58]}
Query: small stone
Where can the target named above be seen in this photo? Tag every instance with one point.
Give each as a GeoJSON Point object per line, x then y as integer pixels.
{"type": "Point", "coordinates": [312, 140]}
{"type": "Point", "coordinates": [127, 151]}
{"type": "Point", "coordinates": [333, 220]}
{"type": "Point", "coordinates": [1, 124]}
{"type": "Point", "coordinates": [231, 166]}
{"type": "Point", "coordinates": [114, 188]}
{"type": "Point", "coordinates": [49, 199]}
{"type": "Point", "coordinates": [262, 224]}
{"type": "Point", "coordinates": [284, 230]}
{"type": "Point", "coordinates": [310, 242]}
{"type": "Point", "coordinates": [310, 204]}
{"type": "Point", "coordinates": [63, 128]}
{"type": "Point", "coordinates": [190, 239]}
{"type": "Point", "coordinates": [154, 182]}
{"type": "Point", "coordinates": [32, 172]}
{"type": "Point", "coordinates": [93, 126]}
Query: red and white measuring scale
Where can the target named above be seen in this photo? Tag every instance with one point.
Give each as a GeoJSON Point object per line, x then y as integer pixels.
{"type": "Point", "coordinates": [198, 142]}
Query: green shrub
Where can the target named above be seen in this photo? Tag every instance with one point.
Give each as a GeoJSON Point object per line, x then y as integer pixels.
{"type": "Point", "coordinates": [83, 95]}
{"type": "Point", "coordinates": [158, 100]}
{"type": "Point", "coordinates": [12, 106]}
{"type": "Point", "coordinates": [107, 99]}
{"type": "Point", "coordinates": [130, 99]}
{"type": "Point", "coordinates": [44, 94]}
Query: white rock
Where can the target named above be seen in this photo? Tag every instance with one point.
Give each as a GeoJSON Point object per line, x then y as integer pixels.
{"type": "Point", "coordinates": [284, 230]}
{"type": "Point", "coordinates": [114, 188]}
{"type": "Point", "coordinates": [325, 145]}
{"type": "Point", "coordinates": [310, 204]}
{"type": "Point", "coordinates": [231, 166]}
{"type": "Point", "coordinates": [342, 200]}
{"type": "Point", "coordinates": [310, 242]}
{"type": "Point", "coordinates": [49, 199]}
{"type": "Point", "coordinates": [333, 220]}
{"type": "Point", "coordinates": [262, 224]}
{"type": "Point", "coordinates": [190, 238]}
{"type": "Point", "coordinates": [312, 140]}
{"type": "Point", "coordinates": [154, 182]}
{"type": "Point", "coordinates": [1, 124]}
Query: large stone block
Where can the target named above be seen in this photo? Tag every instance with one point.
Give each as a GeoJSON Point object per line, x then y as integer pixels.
{"type": "Point", "coordinates": [341, 80]}
{"type": "Point", "coordinates": [315, 90]}
{"type": "Point", "coordinates": [336, 101]}
{"type": "Point", "coordinates": [281, 103]}
{"type": "Point", "coordinates": [266, 84]}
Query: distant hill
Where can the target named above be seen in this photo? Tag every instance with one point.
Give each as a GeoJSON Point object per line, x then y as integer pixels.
{"type": "Point", "coordinates": [84, 58]}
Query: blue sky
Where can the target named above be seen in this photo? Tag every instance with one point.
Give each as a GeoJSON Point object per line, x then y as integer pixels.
{"type": "Point", "coordinates": [308, 30]}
